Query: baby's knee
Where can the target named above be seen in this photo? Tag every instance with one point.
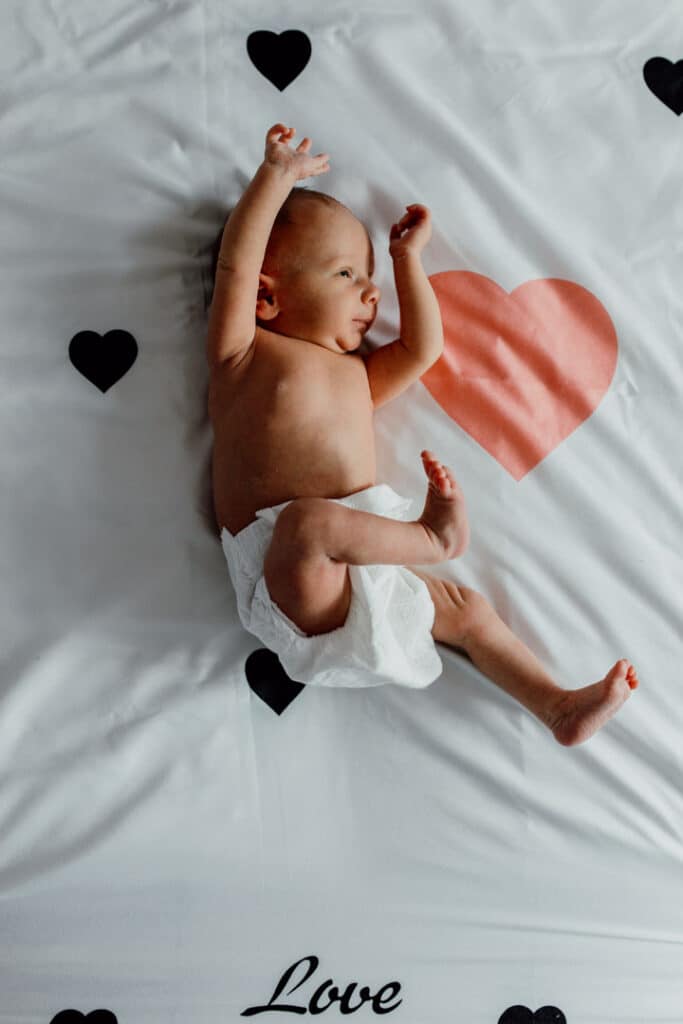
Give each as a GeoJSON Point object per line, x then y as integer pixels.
{"type": "Point", "coordinates": [300, 524]}
{"type": "Point", "coordinates": [474, 611]}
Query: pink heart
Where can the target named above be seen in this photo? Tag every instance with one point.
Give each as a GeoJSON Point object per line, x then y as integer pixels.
{"type": "Point", "coordinates": [520, 371]}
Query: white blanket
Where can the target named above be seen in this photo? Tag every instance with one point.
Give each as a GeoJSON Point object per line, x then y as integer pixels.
{"type": "Point", "coordinates": [175, 846]}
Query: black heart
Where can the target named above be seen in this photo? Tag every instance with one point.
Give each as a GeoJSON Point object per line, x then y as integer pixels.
{"type": "Point", "coordinates": [279, 58]}
{"type": "Point", "coordinates": [269, 681]}
{"type": "Point", "coordinates": [94, 1017]}
{"type": "Point", "coordinates": [103, 360]}
{"type": "Point", "coordinates": [523, 1015]}
{"type": "Point", "coordinates": [665, 80]}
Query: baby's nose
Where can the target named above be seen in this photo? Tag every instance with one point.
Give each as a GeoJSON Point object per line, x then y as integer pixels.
{"type": "Point", "coordinates": [372, 293]}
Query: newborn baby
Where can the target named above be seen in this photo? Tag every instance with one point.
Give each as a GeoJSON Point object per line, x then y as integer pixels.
{"type": "Point", "coordinates": [319, 554]}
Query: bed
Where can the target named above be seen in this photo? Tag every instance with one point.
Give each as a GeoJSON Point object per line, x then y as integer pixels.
{"type": "Point", "coordinates": [185, 834]}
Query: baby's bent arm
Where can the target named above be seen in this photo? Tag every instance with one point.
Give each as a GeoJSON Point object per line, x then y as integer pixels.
{"type": "Point", "coordinates": [421, 324]}
{"type": "Point", "coordinates": [232, 320]}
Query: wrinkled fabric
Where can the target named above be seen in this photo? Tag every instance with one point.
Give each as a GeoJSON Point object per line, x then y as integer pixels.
{"type": "Point", "coordinates": [386, 637]}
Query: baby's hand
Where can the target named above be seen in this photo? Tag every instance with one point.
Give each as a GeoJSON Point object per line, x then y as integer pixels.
{"type": "Point", "coordinates": [411, 233]}
{"type": "Point", "coordinates": [296, 162]}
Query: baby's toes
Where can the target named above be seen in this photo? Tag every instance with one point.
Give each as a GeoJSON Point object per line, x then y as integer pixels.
{"type": "Point", "coordinates": [447, 474]}
{"type": "Point", "coordinates": [444, 482]}
{"type": "Point", "coordinates": [632, 677]}
{"type": "Point", "coordinates": [430, 463]}
{"type": "Point", "coordinates": [440, 477]}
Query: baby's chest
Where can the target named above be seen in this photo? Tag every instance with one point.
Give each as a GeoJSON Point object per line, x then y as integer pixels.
{"type": "Point", "coordinates": [330, 409]}
{"type": "Point", "coordinates": [322, 388]}
{"type": "Point", "coordinates": [285, 402]}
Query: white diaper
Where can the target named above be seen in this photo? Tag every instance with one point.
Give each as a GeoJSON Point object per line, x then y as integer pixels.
{"type": "Point", "coordinates": [387, 634]}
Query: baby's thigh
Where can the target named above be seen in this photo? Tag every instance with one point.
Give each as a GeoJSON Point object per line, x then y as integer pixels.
{"type": "Point", "coordinates": [306, 584]}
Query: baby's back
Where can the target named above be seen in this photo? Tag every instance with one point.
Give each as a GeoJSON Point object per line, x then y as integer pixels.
{"type": "Point", "coordinates": [292, 420]}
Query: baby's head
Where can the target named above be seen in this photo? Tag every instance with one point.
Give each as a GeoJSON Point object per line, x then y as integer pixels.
{"type": "Point", "coordinates": [316, 280]}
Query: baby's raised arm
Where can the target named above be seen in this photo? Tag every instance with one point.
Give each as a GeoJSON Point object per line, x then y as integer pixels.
{"type": "Point", "coordinates": [232, 319]}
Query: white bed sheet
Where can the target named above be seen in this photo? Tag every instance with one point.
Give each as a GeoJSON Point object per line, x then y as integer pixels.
{"type": "Point", "coordinates": [170, 845]}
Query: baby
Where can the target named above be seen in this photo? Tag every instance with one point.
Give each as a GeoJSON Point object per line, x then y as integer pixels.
{"type": "Point", "coordinates": [318, 552]}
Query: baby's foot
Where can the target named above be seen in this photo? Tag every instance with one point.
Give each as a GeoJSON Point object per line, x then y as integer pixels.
{"type": "Point", "coordinates": [582, 712]}
{"type": "Point", "coordinates": [444, 515]}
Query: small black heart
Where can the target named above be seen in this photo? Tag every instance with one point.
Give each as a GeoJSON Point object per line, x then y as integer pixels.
{"type": "Point", "coordinates": [103, 360]}
{"type": "Point", "coordinates": [280, 58]}
{"type": "Point", "coordinates": [665, 80]}
{"type": "Point", "coordinates": [523, 1015]}
{"type": "Point", "coordinates": [269, 681]}
{"type": "Point", "coordinates": [76, 1017]}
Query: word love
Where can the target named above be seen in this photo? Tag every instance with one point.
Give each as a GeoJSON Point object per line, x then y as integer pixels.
{"type": "Point", "coordinates": [315, 1004]}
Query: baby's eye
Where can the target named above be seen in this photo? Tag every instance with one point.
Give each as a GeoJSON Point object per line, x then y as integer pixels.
{"type": "Point", "coordinates": [347, 271]}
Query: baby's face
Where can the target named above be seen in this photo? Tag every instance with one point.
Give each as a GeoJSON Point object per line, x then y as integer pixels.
{"type": "Point", "coordinates": [326, 298]}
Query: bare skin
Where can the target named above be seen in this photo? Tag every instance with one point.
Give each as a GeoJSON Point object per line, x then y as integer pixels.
{"type": "Point", "coordinates": [580, 713]}
{"type": "Point", "coordinates": [575, 715]}
{"type": "Point", "coordinates": [441, 532]}
{"type": "Point", "coordinates": [291, 400]}
{"type": "Point", "coordinates": [444, 513]}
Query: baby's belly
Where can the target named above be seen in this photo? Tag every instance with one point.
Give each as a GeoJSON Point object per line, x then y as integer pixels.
{"type": "Point", "coordinates": [258, 473]}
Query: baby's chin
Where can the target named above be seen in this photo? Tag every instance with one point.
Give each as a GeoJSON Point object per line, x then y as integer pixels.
{"type": "Point", "coordinates": [352, 341]}
{"type": "Point", "coordinates": [339, 345]}
{"type": "Point", "coordinates": [351, 345]}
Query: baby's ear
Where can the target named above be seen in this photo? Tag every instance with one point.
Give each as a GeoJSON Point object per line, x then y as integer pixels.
{"type": "Point", "coordinates": [267, 305]}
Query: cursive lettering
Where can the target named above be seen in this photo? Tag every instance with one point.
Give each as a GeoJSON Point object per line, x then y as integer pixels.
{"type": "Point", "coordinates": [315, 1004]}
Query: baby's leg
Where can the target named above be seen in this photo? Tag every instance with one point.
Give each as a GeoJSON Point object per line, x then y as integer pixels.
{"type": "Point", "coordinates": [466, 621]}
{"type": "Point", "coordinates": [362, 538]}
{"type": "Point", "coordinates": [314, 540]}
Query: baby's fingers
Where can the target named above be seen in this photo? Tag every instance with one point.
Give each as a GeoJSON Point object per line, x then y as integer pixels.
{"type": "Point", "coordinates": [274, 133]}
{"type": "Point", "coordinates": [319, 158]}
{"type": "Point", "coordinates": [304, 147]}
{"type": "Point", "coordinates": [322, 164]}
{"type": "Point", "coordinates": [415, 212]}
